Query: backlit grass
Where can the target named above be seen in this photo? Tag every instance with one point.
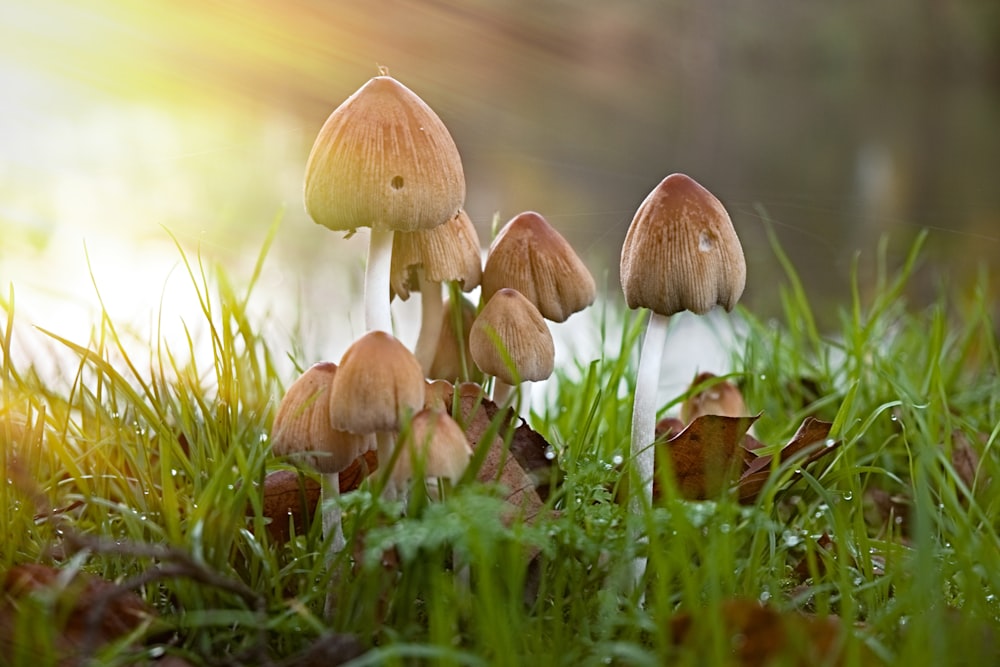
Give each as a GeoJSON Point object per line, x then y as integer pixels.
{"type": "Point", "coordinates": [147, 472]}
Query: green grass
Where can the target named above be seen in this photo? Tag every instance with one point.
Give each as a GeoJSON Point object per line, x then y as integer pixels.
{"type": "Point", "coordinates": [147, 472]}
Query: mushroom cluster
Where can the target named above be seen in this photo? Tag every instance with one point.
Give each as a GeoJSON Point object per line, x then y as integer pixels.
{"type": "Point", "coordinates": [384, 160]}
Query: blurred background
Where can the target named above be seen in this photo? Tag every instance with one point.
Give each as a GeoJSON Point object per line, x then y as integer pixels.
{"type": "Point", "coordinates": [127, 129]}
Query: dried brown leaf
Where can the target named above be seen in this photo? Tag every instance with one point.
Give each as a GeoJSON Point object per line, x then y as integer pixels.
{"type": "Point", "coordinates": [90, 611]}
{"type": "Point", "coordinates": [760, 635]}
{"type": "Point", "coordinates": [811, 438]}
{"type": "Point", "coordinates": [706, 456]}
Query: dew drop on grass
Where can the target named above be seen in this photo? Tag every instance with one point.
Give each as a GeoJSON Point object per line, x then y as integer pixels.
{"type": "Point", "coordinates": [725, 528]}
{"type": "Point", "coordinates": [791, 539]}
{"type": "Point", "coordinates": [848, 496]}
{"type": "Point", "coordinates": [550, 453]}
{"type": "Point", "coordinates": [617, 459]}
{"type": "Point", "coordinates": [157, 652]}
{"type": "Point", "coordinates": [765, 595]}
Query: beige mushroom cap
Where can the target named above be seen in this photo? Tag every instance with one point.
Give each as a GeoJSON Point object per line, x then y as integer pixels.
{"type": "Point", "coordinates": [530, 256]}
{"type": "Point", "coordinates": [378, 384]}
{"type": "Point", "coordinates": [302, 430]}
{"type": "Point", "coordinates": [681, 251]}
{"type": "Point", "coordinates": [510, 322]}
{"type": "Point", "coordinates": [447, 252]}
{"type": "Point", "coordinates": [437, 442]}
{"type": "Point", "coordinates": [384, 159]}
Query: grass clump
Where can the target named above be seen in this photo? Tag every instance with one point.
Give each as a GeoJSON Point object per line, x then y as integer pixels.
{"type": "Point", "coordinates": [148, 474]}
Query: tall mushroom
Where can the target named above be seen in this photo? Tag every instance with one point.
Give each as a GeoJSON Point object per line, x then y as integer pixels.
{"type": "Point", "coordinates": [301, 431]}
{"type": "Point", "coordinates": [509, 340]}
{"type": "Point", "coordinates": [422, 261]}
{"type": "Point", "coordinates": [378, 387]}
{"type": "Point", "coordinates": [384, 160]}
{"type": "Point", "coordinates": [530, 256]}
{"type": "Point", "coordinates": [680, 253]}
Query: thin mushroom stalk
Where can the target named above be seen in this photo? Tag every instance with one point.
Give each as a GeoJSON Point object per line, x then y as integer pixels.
{"type": "Point", "coordinates": [378, 317]}
{"type": "Point", "coordinates": [431, 317]}
{"type": "Point", "coordinates": [644, 419]}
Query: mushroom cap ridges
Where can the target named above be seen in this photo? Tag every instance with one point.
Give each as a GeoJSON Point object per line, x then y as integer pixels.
{"type": "Point", "coordinates": [447, 252]}
{"type": "Point", "coordinates": [384, 159]}
{"type": "Point", "coordinates": [530, 256]}
{"type": "Point", "coordinates": [379, 382]}
{"type": "Point", "coordinates": [509, 320]}
{"type": "Point", "coordinates": [681, 251]}
{"type": "Point", "coordinates": [302, 430]}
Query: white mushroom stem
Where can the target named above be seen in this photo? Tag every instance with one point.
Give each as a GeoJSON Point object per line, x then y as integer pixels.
{"type": "Point", "coordinates": [431, 317]}
{"type": "Point", "coordinates": [332, 529]}
{"type": "Point", "coordinates": [519, 395]}
{"type": "Point", "coordinates": [377, 290]}
{"type": "Point", "coordinates": [386, 446]}
{"type": "Point", "coordinates": [644, 419]}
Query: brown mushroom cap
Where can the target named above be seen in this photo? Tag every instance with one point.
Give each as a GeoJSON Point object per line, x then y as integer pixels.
{"type": "Point", "coordinates": [723, 398]}
{"type": "Point", "coordinates": [384, 159]}
{"type": "Point", "coordinates": [379, 382]}
{"type": "Point", "coordinates": [447, 252]}
{"type": "Point", "coordinates": [509, 320]}
{"type": "Point", "coordinates": [681, 251]}
{"type": "Point", "coordinates": [438, 442]}
{"type": "Point", "coordinates": [530, 256]}
{"type": "Point", "coordinates": [302, 430]}
{"type": "Point", "coordinates": [447, 363]}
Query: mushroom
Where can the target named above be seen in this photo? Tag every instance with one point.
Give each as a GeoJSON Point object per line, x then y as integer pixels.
{"type": "Point", "coordinates": [529, 255]}
{"type": "Point", "coordinates": [510, 341]}
{"type": "Point", "coordinates": [434, 446]}
{"type": "Point", "coordinates": [680, 253]}
{"type": "Point", "coordinates": [385, 160]}
{"type": "Point", "coordinates": [717, 396]}
{"type": "Point", "coordinates": [301, 431]}
{"type": "Point", "coordinates": [422, 261]}
{"type": "Point", "coordinates": [377, 389]}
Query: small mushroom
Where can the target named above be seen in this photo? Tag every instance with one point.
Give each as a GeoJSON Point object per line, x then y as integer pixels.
{"type": "Point", "coordinates": [530, 256]}
{"type": "Point", "coordinates": [383, 160]}
{"type": "Point", "coordinates": [680, 253]}
{"type": "Point", "coordinates": [423, 261]}
{"type": "Point", "coordinates": [302, 431]}
{"type": "Point", "coordinates": [510, 341]}
{"type": "Point", "coordinates": [436, 446]}
{"type": "Point", "coordinates": [378, 387]}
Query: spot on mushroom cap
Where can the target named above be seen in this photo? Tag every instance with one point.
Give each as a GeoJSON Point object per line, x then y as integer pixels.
{"type": "Point", "coordinates": [510, 322]}
{"type": "Point", "coordinates": [681, 251]}
{"type": "Point", "coordinates": [383, 159]}
{"type": "Point", "coordinates": [447, 252]}
{"type": "Point", "coordinates": [379, 382]}
{"type": "Point", "coordinates": [302, 430]}
{"type": "Point", "coordinates": [530, 256]}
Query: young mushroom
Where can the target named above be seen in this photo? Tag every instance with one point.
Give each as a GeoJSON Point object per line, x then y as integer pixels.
{"type": "Point", "coordinates": [384, 160]}
{"type": "Point", "coordinates": [301, 431]}
{"type": "Point", "coordinates": [435, 447]}
{"type": "Point", "coordinates": [680, 253]}
{"type": "Point", "coordinates": [510, 341]}
{"type": "Point", "coordinates": [378, 388]}
{"type": "Point", "coordinates": [530, 256]}
{"type": "Point", "coordinates": [422, 261]}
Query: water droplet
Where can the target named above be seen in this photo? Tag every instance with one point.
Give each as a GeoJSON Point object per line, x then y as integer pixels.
{"type": "Point", "coordinates": [174, 472]}
{"type": "Point", "coordinates": [765, 595]}
{"type": "Point", "coordinates": [792, 539]}
{"type": "Point", "coordinates": [617, 459]}
{"type": "Point", "coordinates": [725, 528]}
{"type": "Point", "coordinates": [848, 496]}
{"type": "Point", "coordinates": [763, 376]}
{"type": "Point", "coordinates": [550, 453]}
{"type": "Point", "coordinates": [894, 417]}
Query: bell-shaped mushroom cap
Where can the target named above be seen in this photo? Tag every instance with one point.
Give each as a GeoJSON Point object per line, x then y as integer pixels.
{"type": "Point", "coordinates": [379, 382]}
{"type": "Point", "coordinates": [723, 399]}
{"type": "Point", "coordinates": [509, 322]}
{"type": "Point", "coordinates": [681, 251]}
{"type": "Point", "coordinates": [447, 252]}
{"type": "Point", "coordinates": [437, 442]}
{"type": "Point", "coordinates": [384, 159]}
{"type": "Point", "coordinates": [530, 256]}
{"type": "Point", "coordinates": [301, 428]}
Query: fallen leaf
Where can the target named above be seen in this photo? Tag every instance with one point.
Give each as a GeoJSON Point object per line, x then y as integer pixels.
{"type": "Point", "coordinates": [89, 611]}
{"type": "Point", "coordinates": [812, 437]}
{"type": "Point", "coordinates": [706, 456]}
{"type": "Point", "coordinates": [964, 458]}
{"type": "Point", "coordinates": [759, 635]}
